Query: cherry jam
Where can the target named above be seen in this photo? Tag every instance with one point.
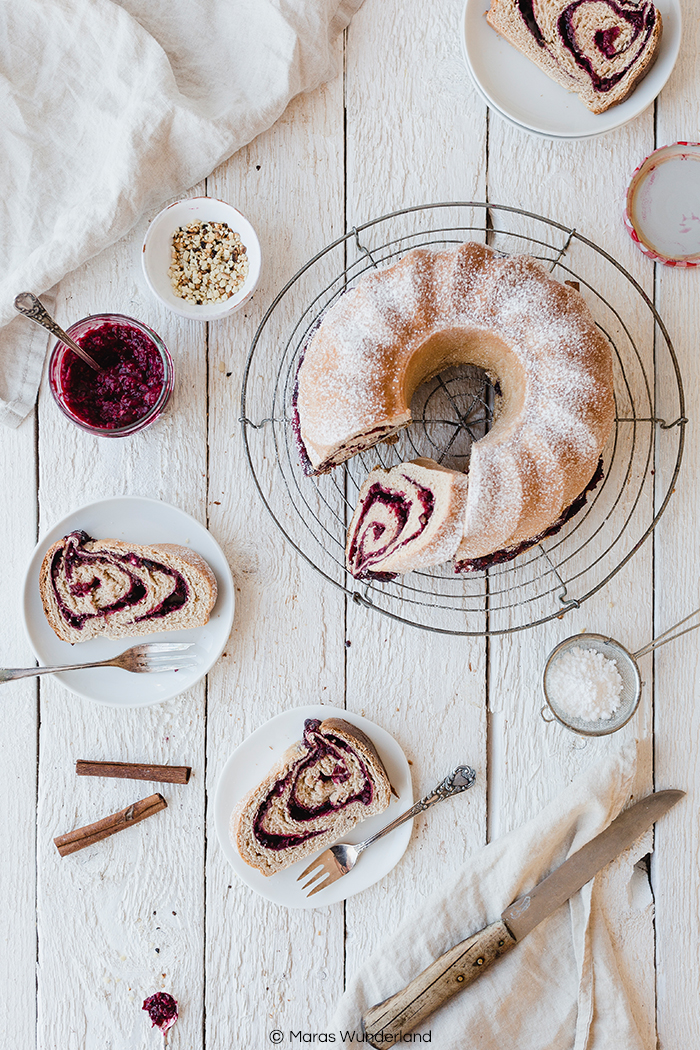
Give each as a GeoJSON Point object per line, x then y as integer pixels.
{"type": "Point", "coordinates": [133, 385]}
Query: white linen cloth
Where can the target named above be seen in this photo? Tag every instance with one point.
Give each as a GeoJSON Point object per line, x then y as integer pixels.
{"type": "Point", "coordinates": [560, 988]}
{"type": "Point", "coordinates": [110, 107]}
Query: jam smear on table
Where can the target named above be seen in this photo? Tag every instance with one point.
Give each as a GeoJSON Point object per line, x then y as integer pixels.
{"type": "Point", "coordinates": [162, 1010]}
{"type": "Point", "coordinates": [129, 385]}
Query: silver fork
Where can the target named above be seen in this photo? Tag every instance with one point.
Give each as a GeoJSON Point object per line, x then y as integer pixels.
{"type": "Point", "coordinates": [141, 659]}
{"type": "Point", "coordinates": [338, 860]}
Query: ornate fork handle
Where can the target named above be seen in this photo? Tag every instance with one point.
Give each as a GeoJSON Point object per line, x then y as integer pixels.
{"type": "Point", "coordinates": [454, 783]}
{"type": "Point", "coordinates": [459, 780]}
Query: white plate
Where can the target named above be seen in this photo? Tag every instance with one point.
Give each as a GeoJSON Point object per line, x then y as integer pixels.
{"type": "Point", "coordinates": [136, 520]}
{"type": "Point", "coordinates": [157, 249]}
{"type": "Point", "coordinates": [252, 761]}
{"type": "Point", "coordinates": [526, 96]}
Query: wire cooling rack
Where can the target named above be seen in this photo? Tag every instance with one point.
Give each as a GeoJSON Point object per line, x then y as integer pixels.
{"type": "Point", "coordinates": [641, 461]}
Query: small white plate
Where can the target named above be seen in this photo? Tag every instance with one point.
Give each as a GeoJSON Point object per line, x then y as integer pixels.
{"type": "Point", "coordinates": [526, 96]}
{"type": "Point", "coordinates": [252, 761]}
{"type": "Point", "coordinates": [157, 249]}
{"type": "Point", "coordinates": [136, 520]}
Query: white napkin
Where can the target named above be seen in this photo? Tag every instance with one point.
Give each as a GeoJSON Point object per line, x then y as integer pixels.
{"type": "Point", "coordinates": [560, 988]}
{"type": "Point", "coordinates": [110, 108]}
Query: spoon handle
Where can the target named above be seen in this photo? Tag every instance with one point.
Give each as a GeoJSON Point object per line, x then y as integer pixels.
{"type": "Point", "coordinates": [28, 304]}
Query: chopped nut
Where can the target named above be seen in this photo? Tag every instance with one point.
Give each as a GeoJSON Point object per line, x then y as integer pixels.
{"type": "Point", "coordinates": [209, 262]}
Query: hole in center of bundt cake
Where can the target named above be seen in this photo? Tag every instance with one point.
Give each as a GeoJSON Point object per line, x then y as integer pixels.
{"type": "Point", "coordinates": [450, 412]}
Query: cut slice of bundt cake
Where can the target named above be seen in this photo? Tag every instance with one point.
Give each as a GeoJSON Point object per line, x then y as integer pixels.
{"type": "Point", "coordinates": [409, 517]}
{"type": "Point", "coordinates": [599, 49]}
{"type": "Point", "coordinates": [112, 589]}
{"type": "Point", "coordinates": [320, 788]}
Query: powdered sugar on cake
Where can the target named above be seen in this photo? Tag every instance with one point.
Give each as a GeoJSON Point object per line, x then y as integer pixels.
{"type": "Point", "coordinates": [400, 326]}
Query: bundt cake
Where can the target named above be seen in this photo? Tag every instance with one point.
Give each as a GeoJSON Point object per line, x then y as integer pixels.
{"type": "Point", "coordinates": [320, 788]}
{"type": "Point", "coordinates": [112, 589]}
{"type": "Point", "coordinates": [404, 324]}
{"type": "Point", "coordinates": [599, 49]}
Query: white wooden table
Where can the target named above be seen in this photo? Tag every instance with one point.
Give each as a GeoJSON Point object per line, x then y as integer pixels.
{"type": "Point", "coordinates": [88, 937]}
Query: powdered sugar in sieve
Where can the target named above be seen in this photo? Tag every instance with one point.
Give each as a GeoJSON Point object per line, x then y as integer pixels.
{"type": "Point", "coordinates": [572, 709]}
{"type": "Point", "coordinates": [592, 684]}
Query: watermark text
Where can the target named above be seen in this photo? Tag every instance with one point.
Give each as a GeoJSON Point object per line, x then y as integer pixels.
{"type": "Point", "coordinates": [301, 1038]}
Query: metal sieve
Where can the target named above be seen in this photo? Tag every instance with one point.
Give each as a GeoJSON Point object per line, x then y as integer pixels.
{"type": "Point", "coordinates": [629, 672]}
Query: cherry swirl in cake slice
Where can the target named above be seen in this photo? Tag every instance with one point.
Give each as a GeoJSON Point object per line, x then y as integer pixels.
{"type": "Point", "coordinates": [319, 789]}
{"type": "Point", "coordinates": [408, 517]}
{"type": "Point", "coordinates": [607, 45]}
{"type": "Point", "coordinates": [330, 776]}
{"type": "Point", "coordinates": [107, 587]}
{"type": "Point", "coordinates": [88, 584]}
{"type": "Point", "coordinates": [388, 520]}
{"type": "Point", "coordinates": [597, 48]}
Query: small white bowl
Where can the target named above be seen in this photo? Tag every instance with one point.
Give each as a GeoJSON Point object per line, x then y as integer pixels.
{"type": "Point", "coordinates": [157, 249]}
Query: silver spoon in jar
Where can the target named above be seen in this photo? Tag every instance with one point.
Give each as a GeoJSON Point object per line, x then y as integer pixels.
{"type": "Point", "coordinates": [28, 304]}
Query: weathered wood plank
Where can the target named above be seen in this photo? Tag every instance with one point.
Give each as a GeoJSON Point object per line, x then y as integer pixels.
{"type": "Point", "coordinates": [18, 745]}
{"type": "Point", "coordinates": [677, 570]}
{"type": "Point", "coordinates": [124, 918]}
{"type": "Point", "coordinates": [579, 184]}
{"type": "Point", "coordinates": [281, 968]}
{"type": "Point", "coordinates": [427, 689]}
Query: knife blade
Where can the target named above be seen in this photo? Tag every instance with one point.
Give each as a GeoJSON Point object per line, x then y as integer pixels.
{"type": "Point", "coordinates": [461, 965]}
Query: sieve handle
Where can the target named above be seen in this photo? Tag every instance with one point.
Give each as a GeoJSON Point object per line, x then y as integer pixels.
{"type": "Point", "coordinates": [668, 636]}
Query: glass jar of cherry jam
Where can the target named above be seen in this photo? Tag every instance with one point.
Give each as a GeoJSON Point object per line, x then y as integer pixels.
{"type": "Point", "coordinates": [130, 391]}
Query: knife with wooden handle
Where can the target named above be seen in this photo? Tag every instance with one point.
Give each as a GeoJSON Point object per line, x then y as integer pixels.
{"type": "Point", "coordinates": [461, 965]}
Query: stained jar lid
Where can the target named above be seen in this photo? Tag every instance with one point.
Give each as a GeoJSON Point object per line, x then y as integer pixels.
{"type": "Point", "coordinates": [662, 210]}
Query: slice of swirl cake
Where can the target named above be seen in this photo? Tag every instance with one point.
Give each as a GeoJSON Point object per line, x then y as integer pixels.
{"type": "Point", "coordinates": [112, 589]}
{"type": "Point", "coordinates": [409, 517]}
{"type": "Point", "coordinates": [599, 49]}
{"type": "Point", "coordinates": [320, 788]}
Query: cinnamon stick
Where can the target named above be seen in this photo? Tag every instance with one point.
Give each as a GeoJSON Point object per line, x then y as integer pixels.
{"type": "Point", "coordinates": [102, 829]}
{"type": "Point", "coordinates": [134, 771]}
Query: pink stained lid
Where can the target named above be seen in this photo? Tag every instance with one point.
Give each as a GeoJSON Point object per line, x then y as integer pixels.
{"type": "Point", "coordinates": [662, 209]}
